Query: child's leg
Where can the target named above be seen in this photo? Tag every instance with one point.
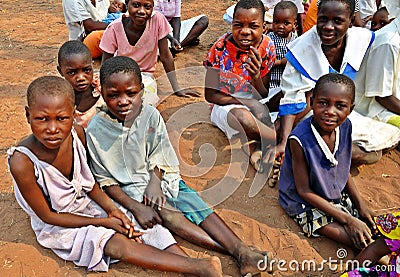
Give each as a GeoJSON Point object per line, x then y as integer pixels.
{"type": "Point", "coordinates": [247, 258]}
{"type": "Point", "coordinates": [336, 232]}
{"type": "Point", "coordinates": [121, 248]}
{"type": "Point", "coordinates": [374, 251]}
{"type": "Point", "coordinates": [176, 222]}
{"type": "Point", "coordinates": [198, 28]}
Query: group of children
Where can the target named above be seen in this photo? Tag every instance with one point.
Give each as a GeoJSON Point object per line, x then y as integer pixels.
{"type": "Point", "coordinates": [123, 199]}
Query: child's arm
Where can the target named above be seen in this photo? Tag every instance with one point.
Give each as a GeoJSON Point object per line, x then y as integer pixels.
{"type": "Point", "coordinates": [91, 25]}
{"type": "Point", "coordinates": [392, 103]}
{"type": "Point", "coordinates": [169, 67]}
{"type": "Point", "coordinates": [357, 230]}
{"type": "Point", "coordinates": [153, 195]}
{"type": "Point", "coordinates": [106, 56]}
{"type": "Point", "coordinates": [357, 201]}
{"type": "Point", "coordinates": [21, 168]}
{"type": "Point", "coordinates": [145, 215]}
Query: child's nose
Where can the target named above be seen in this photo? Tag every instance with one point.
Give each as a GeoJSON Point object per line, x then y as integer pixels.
{"type": "Point", "coordinates": [52, 126]}
{"type": "Point", "coordinates": [245, 31]}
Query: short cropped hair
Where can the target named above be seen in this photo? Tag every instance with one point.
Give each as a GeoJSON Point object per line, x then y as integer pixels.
{"type": "Point", "coordinates": [119, 64]}
{"type": "Point", "coordinates": [287, 5]}
{"type": "Point", "coordinates": [351, 4]}
{"type": "Point", "coordinates": [73, 47]}
{"type": "Point", "coordinates": [336, 78]}
{"type": "Point", "coordinates": [50, 86]}
{"type": "Point", "coordinates": [250, 4]}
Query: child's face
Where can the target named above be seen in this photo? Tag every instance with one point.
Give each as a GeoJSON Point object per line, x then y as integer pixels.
{"type": "Point", "coordinates": [247, 28]}
{"type": "Point", "coordinates": [331, 105]}
{"type": "Point", "coordinates": [379, 20]}
{"type": "Point", "coordinates": [140, 11]}
{"type": "Point", "coordinates": [284, 22]}
{"type": "Point", "coordinates": [333, 21]}
{"type": "Point", "coordinates": [77, 69]}
{"type": "Point", "coordinates": [116, 6]}
{"type": "Point", "coordinates": [51, 119]}
{"type": "Point", "coordinates": [123, 95]}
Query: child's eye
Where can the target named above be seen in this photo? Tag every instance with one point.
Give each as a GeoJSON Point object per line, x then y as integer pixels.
{"type": "Point", "coordinates": [70, 73]}
{"type": "Point", "coordinates": [148, 7]}
{"type": "Point", "coordinates": [63, 118]}
{"type": "Point", "coordinates": [287, 23]}
{"type": "Point", "coordinates": [88, 69]}
{"type": "Point", "coordinates": [338, 21]}
{"type": "Point", "coordinates": [132, 93]}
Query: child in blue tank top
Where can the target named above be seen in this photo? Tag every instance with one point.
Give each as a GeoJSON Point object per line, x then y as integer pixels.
{"type": "Point", "coordinates": [316, 187]}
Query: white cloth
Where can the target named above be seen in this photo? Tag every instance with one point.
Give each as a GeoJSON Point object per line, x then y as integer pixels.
{"type": "Point", "coordinates": [126, 156]}
{"type": "Point", "coordinates": [308, 52]}
{"type": "Point", "coordinates": [76, 11]}
{"type": "Point", "coordinates": [379, 73]}
{"type": "Point", "coordinates": [367, 8]}
{"type": "Point", "coordinates": [393, 7]}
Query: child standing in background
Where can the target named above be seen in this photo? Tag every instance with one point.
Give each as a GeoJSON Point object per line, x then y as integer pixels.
{"type": "Point", "coordinates": [283, 28]}
{"type": "Point", "coordinates": [69, 213]}
{"type": "Point", "coordinates": [75, 65]}
{"type": "Point", "coordinates": [316, 187]}
{"type": "Point", "coordinates": [135, 163]}
{"type": "Point", "coordinates": [238, 71]}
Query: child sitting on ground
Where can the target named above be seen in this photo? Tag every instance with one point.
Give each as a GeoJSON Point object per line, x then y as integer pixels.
{"type": "Point", "coordinates": [142, 36]}
{"type": "Point", "coordinates": [388, 243]}
{"type": "Point", "coordinates": [237, 77]}
{"type": "Point", "coordinates": [380, 19]}
{"type": "Point", "coordinates": [69, 213]}
{"type": "Point", "coordinates": [134, 162]}
{"type": "Point", "coordinates": [75, 65]}
{"type": "Point", "coordinates": [316, 187]}
{"type": "Point", "coordinates": [283, 28]}
{"type": "Point", "coordinates": [117, 7]}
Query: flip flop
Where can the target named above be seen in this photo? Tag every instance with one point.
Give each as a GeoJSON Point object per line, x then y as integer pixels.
{"type": "Point", "coordinates": [273, 178]}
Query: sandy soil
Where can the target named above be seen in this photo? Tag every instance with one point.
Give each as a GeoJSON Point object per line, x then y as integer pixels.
{"type": "Point", "coordinates": [31, 33]}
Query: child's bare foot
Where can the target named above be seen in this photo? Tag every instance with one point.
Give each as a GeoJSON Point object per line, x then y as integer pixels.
{"type": "Point", "coordinates": [209, 267]}
{"type": "Point", "coordinates": [253, 261]}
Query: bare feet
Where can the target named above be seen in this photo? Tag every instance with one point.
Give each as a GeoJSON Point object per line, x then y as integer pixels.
{"type": "Point", "coordinates": [209, 267]}
{"type": "Point", "coordinates": [254, 261]}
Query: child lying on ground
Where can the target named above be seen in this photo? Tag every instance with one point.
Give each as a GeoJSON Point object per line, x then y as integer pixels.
{"type": "Point", "coordinates": [117, 7]}
{"type": "Point", "coordinates": [69, 213]}
{"type": "Point", "coordinates": [316, 187]}
{"type": "Point", "coordinates": [134, 162]}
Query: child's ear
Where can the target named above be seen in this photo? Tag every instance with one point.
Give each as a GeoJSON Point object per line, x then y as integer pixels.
{"type": "Point", "coordinates": [352, 107]}
{"type": "Point", "coordinates": [311, 101]}
{"type": "Point", "coordinates": [59, 70]}
{"type": "Point", "coordinates": [27, 114]}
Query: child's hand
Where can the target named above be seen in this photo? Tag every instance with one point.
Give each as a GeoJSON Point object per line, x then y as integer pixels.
{"type": "Point", "coordinates": [153, 195]}
{"type": "Point", "coordinates": [254, 62]}
{"type": "Point", "coordinates": [175, 44]}
{"type": "Point", "coordinates": [358, 232]}
{"type": "Point", "coordinates": [368, 216]}
{"type": "Point", "coordinates": [146, 216]}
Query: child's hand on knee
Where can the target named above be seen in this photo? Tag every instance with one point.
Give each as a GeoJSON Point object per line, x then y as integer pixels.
{"type": "Point", "coordinates": [359, 232]}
